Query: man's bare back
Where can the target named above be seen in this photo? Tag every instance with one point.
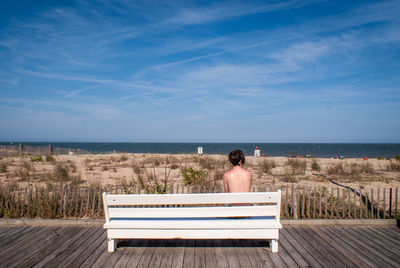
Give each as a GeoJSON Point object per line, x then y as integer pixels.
{"type": "Point", "coordinates": [237, 179]}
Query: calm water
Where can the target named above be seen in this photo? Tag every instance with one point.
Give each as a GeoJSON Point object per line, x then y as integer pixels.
{"type": "Point", "coordinates": [371, 150]}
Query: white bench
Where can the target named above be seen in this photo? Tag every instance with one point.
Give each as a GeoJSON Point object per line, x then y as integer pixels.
{"type": "Point", "coordinates": [204, 216]}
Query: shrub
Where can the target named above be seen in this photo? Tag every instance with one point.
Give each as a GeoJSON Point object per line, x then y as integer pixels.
{"type": "Point", "coordinates": [267, 165]}
{"type": "Point", "coordinates": [337, 169]}
{"type": "Point", "coordinates": [37, 158]}
{"type": "Point", "coordinates": [393, 166]}
{"type": "Point", "coordinates": [50, 158]}
{"type": "Point", "coordinates": [315, 165]}
{"type": "Point", "coordinates": [298, 166]}
{"type": "Point", "coordinates": [193, 176]}
{"type": "Point", "coordinates": [3, 167]}
{"type": "Point", "coordinates": [123, 158]}
{"type": "Point", "coordinates": [61, 173]}
{"type": "Point", "coordinates": [397, 157]}
{"type": "Point", "coordinates": [367, 168]}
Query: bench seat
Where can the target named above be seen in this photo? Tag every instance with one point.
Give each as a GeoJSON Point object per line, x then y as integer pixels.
{"type": "Point", "coordinates": [175, 217]}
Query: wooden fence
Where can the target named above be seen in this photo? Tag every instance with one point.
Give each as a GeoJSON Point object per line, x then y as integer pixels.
{"type": "Point", "coordinates": [23, 149]}
{"type": "Point", "coordinates": [74, 201]}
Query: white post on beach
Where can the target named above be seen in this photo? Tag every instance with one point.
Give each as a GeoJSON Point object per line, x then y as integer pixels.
{"type": "Point", "coordinates": [200, 150]}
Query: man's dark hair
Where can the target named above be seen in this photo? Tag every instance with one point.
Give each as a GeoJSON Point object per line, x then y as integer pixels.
{"type": "Point", "coordinates": [235, 157]}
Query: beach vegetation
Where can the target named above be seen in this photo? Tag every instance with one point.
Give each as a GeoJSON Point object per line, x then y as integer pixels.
{"type": "Point", "coordinates": [123, 158]}
{"type": "Point", "coordinates": [315, 165]}
{"type": "Point", "coordinates": [337, 169]}
{"type": "Point", "coordinates": [393, 166]}
{"type": "Point", "coordinates": [298, 166]}
{"type": "Point", "coordinates": [3, 167]}
{"type": "Point", "coordinates": [193, 176]}
{"type": "Point", "coordinates": [397, 157]}
{"type": "Point", "coordinates": [36, 158]}
{"type": "Point", "coordinates": [61, 172]}
{"type": "Point", "coordinates": [50, 158]}
{"type": "Point", "coordinates": [266, 166]}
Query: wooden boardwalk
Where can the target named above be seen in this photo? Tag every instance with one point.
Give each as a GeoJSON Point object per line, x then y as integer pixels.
{"type": "Point", "coordinates": [299, 246]}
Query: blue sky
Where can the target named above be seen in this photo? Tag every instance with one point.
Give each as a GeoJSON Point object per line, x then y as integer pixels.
{"type": "Point", "coordinates": [207, 71]}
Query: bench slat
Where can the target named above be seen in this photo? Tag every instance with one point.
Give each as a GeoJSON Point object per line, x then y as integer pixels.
{"type": "Point", "coordinates": [170, 199]}
{"type": "Point", "coordinates": [192, 212]}
{"type": "Point", "coordinates": [194, 234]}
{"type": "Point", "coordinates": [211, 223]}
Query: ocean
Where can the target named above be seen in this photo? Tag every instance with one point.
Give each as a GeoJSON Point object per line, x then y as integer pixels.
{"type": "Point", "coordinates": [325, 150]}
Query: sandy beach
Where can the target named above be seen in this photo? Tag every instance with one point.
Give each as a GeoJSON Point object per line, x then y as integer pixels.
{"type": "Point", "coordinates": [130, 169]}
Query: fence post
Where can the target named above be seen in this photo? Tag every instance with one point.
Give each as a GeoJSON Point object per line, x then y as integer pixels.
{"type": "Point", "coordinates": [390, 202]}
{"type": "Point", "coordinates": [384, 203]}
{"type": "Point", "coordinates": [65, 195]}
{"type": "Point", "coordinates": [21, 148]}
{"type": "Point", "coordinates": [294, 202]}
{"type": "Point", "coordinates": [395, 206]}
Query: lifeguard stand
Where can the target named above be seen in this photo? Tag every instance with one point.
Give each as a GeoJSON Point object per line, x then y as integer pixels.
{"type": "Point", "coordinates": [257, 152]}
{"type": "Point", "coordinates": [200, 150]}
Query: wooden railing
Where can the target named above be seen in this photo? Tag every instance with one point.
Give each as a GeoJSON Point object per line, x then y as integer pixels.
{"type": "Point", "coordinates": [298, 202]}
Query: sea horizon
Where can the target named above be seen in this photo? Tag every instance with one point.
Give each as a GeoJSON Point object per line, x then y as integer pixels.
{"type": "Point", "coordinates": [324, 150]}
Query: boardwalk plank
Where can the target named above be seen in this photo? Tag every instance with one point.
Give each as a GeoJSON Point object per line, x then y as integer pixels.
{"type": "Point", "coordinates": [42, 249]}
{"type": "Point", "coordinates": [261, 247]}
{"type": "Point", "coordinates": [81, 250]}
{"type": "Point", "coordinates": [178, 253]}
{"type": "Point", "coordinates": [15, 235]}
{"type": "Point", "coordinates": [372, 247]}
{"type": "Point", "coordinates": [315, 249]}
{"type": "Point", "coordinates": [210, 253]}
{"type": "Point", "coordinates": [132, 252]}
{"type": "Point", "coordinates": [240, 253]}
{"type": "Point", "coordinates": [220, 254]}
{"type": "Point", "coordinates": [200, 253]}
{"type": "Point", "coordinates": [74, 240]}
{"type": "Point", "coordinates": [339, 247]}
{"type": "Point", "coordinates": [379, 240]}
{"type": "Point", "coordinates": [350, 245]}
{"type": "Point", "coordinates": [78, 257]}
{"type": "Point", "coordinates": [309, 257]}
{"type": "Point", "coordinates": [9, 231]}
{"type": "Point", "coordinates": [298, 246]}
{"type": "Point", "coordinates": [285, 256]}
{"type": "Point", "coordinates": [294, 255]}
{"type": "Point", "coordinates": [158, 254]}
{"type": "Point", "coordinates": [231, 256]}
{"type": "Point", "coordinates": [148, 253]}
{"type": "Point", "coordinates": [100, 251]}
{"type": "Point", "coordinates": [188, 260]}
{"type": "Point", "coordinates": [17, 250]}
{"type": "Point", "coordinates": [252, 254]}
{"type": "Point", "coordinates": [330, 252]}
{"type": "Point", "coordinates": [386, 237]}
{"type": "Point", "coordinates": [169, 253]}
{"type": "Point", "coordinates": [392, 232]}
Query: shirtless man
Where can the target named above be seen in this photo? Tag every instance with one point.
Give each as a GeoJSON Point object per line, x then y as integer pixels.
{"type": "Point", "coordinates": [237, 179]}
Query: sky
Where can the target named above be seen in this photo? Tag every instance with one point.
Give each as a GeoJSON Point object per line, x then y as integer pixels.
{"type": "Point", "coordinates": [200, 71]}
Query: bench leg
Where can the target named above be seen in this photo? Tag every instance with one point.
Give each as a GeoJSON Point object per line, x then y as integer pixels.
{"type": "Point", "coordinates": [274, 245]}
{"type": "Point", "coordinates": [111, 245]}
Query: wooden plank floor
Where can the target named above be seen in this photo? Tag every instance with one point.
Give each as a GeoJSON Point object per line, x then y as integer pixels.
{"type": "Point", "coordinates": [299, 246]}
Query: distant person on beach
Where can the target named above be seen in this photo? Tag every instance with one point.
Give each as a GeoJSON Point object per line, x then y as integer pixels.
{"type": "Point", "coordinates": [237, 179]}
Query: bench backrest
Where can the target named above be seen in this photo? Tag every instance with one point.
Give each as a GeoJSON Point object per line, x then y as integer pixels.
{"type": "Point", "coordinates": [195, 205]}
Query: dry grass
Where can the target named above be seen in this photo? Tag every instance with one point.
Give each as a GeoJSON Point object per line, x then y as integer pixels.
{"type": "Point", "coordinates": [298, 166]}
{"type": "Point", "coordinates": [315, 165]}
{"type": "Point", "coordinates": [266, 166]}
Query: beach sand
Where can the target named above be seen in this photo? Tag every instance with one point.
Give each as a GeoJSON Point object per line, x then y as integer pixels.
{"type": "Point", "coordinates": [131, 169]}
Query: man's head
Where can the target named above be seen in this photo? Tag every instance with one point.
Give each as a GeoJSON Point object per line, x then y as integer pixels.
{"type": "Point", "coordinates": [235, 157]}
